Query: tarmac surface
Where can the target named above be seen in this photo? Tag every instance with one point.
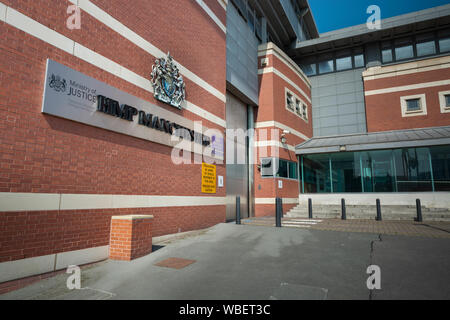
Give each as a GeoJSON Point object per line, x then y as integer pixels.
{"type": "Point", "coordinates": [248, 262]}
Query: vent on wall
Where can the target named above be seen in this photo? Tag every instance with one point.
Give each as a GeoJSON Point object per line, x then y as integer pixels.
{"type": "Point", "coordinates": [269, 167]}
{"type": "Point", "coordinates": [264, 62]}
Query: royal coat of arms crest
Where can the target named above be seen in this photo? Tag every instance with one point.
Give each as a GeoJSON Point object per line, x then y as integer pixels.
{"type": "Point", "coordinates": [58, 84]}
{"type": "Point", "coordinates": [167, 82]}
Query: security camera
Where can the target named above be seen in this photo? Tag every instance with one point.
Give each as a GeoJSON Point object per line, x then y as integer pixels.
{"type": "Point", "coordinates": [286, 131]}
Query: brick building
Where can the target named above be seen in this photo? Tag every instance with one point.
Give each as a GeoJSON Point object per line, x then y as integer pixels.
{"type": "Point", "coordinates": [86, 135]}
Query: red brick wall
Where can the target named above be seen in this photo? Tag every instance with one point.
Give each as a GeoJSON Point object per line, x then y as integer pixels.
{"type": "Point", "coordinates": [130, 238]}
{"type": "Point", "coordinates": [265, 210]}
{"type": "Point", "coordinates": [383, 111]}
{"type": "Point", "coordinates": [41, 153]}
{"type": "Point", "coordinates": [272, 107]}
{"type": "Point", "coordinates": [37, 233]}
{"type": "Point", "coordinates": [44, 154]}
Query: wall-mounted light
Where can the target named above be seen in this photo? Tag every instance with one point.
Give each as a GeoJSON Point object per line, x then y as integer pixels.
{"type": "Point", "coordinates": [342, 148]}
{"type": "Point", "coordinates": [283, 136]}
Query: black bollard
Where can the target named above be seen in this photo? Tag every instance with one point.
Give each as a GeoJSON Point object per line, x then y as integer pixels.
{"type": "Point", "coordinates": [238, 210]}
{"type": "Point", "coordinates": [310, 208]}
{"type": "Point", "coordinates": [344, 215]}
{"type": "Point", "coordinates": [378, 218]}
{"type": "Point", "coordinates": [281, 209]}
{"type": "Point", "coordinates": [419, 211]}
{"type": "Point", "coordinates": [278, 212]}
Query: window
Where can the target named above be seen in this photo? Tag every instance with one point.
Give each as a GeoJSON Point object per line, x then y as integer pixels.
{"type": "Point", "coordinates": [359, 61]}
{"type": "Point", "coordinates": [444, 45]}
{"type": "Point", "coordinates": [289, 101]}
{"type": "Point", "coordinates": [283, 171]}
{"type": "Point", "coordinates": [422, 169]}
{"type": "Point", "coordinates": [309, 69]}
{"type": "Point", "coordinates": [293, 174]}
{"type": "Point", "coordinates": [444, 101]}
{"type": "Point", "coordinates": [279, 168]}
{"type": "Point", "coordinates": [296, 105]}
{"type": "Point", "coordinates": [413, 105]}
{"type": "Point", "coordinates": [387, 55]}
{"type": "Point", "coordinates": [305, 112]}
{"type": "Point", "coordinates": [343, 63]}
{"type": "Point", "coordinates": [404, 52]}
{"type": "Point", "coordinates": [426, 48]}
{"type": "Point", "coordinates": [326, 66]}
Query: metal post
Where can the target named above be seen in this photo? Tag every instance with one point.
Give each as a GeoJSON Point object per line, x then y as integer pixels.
{"type": "Point", "coordinates": [310, 208]}
{"type": "Point", "coordinates": [344, 215]}
{"type": "Point", "coordinates": [431, 171]}
{"type": "Point", "coordinates": [419, 211]}
{"type": "Point", "coordinates": [278, 212]}
{"type": "Point", "coordinates": [303, 178]}
{"type": "Point", "coordinates": [362, 172]}
{"type": "Point", "coordinates": [238, 210]}
{"type": "Point", "coordinates": [331, 174]}
{"type": "Point", "coordinates": [378, 210]}
{"type": "Point", "coordinates": [281, 207]}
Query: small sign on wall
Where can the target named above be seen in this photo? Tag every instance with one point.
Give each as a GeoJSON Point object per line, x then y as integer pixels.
{"type": "Point", "coordinates": [280, 184]}
{"type": "Point", "coordinates": [220, 181]}
{"type": "Point", "coordinates": [208, 178]}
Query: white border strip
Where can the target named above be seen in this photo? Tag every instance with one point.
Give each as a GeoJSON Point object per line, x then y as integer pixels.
{"type": "Point", "coordinates": [405, 72]}
{"type": "Point", "coordinates": [35, 29]}
{"type": "Point", "coordinates": [274, 143]}
{"type": "Point", "coordinates": [285, 78]}
{"type": "Point", "coordinates": [272, 200]}
{"type": "Point", "coordinates": [212, 15]}
{"type": "Point", "coordinates": [408, 87]}
{"type": "Point", "coordinates": [3, 12]}
{"type": "Point", "coordinates": [10, 201]}
{"type": "Point", "coordinates": [268, 124]}
{"type": "Point", "coordinates": [285, 59]}
{"type": "Point", "coordinates": [388, 71]}
{"type": "Point", "coordinates": [223, 4]}
{"type": "Point", "coordinates": [117, 26]}
{"type": "Point", "coordinates": [18, 269]}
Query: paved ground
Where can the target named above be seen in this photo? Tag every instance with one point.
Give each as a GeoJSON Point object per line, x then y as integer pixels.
{"type": "Point", "coordinates": [431, 229]}
{"type": "Point", "coordinates": [258, 262]}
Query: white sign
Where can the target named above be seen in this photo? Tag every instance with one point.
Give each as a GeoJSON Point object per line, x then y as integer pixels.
{"type": "Point", "coordinates": [220, 181]}
{"type": "Point", "coordinates": [72, 95]}
{"type": "Point", "coordinates": [280, 184]}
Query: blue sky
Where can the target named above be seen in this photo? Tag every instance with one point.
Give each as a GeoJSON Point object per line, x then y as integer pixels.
{"type": "Point", "coordinates": [337, 14]}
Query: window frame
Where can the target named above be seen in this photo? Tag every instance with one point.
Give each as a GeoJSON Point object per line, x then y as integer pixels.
{"type": "Point", "coordinates": [295, 99]}
{"type": "Point", "coordinates": [423, 105]}
{"type": "Point", "coordinates": [442, 102]}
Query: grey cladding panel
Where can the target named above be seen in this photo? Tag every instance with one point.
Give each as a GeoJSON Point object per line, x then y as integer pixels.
{"type": "Point", "coordinates": [242, 55]}
{"type": "Point", "coordinates": [340, 96]}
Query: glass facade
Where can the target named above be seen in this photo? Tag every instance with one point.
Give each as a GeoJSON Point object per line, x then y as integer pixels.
{"type": "Point", "coordinates": [394, 170]}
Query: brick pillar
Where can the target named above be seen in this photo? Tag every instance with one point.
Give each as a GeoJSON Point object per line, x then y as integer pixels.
{"type": "Point", "coordinates": [130, 237]}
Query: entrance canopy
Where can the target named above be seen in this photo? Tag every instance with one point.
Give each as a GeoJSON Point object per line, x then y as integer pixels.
{"type": "Point", "coordinates": [376, 141]}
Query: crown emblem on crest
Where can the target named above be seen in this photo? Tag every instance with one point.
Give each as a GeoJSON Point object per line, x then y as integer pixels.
{"type": "Point", "coordinates": [168, 84]}
{"type": "Point", "coordinates": [56, 83]}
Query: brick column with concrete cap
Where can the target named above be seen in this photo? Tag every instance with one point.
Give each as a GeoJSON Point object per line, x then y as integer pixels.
{"type": "Point", "coordinates": [130, 237]}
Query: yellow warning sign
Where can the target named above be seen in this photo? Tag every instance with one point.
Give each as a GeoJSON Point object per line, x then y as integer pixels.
{"type": "Point", "coordinates": [208, 178]}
